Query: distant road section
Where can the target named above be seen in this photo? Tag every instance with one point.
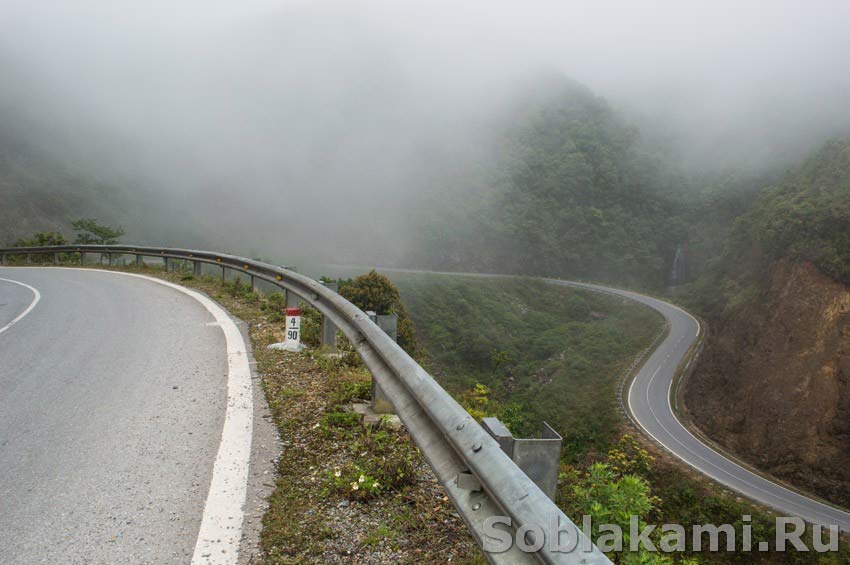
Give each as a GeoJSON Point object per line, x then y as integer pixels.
{"type": "Point", "coordinates": [113, 394]}
{"type": "Point", "coordinates": [649, 402]}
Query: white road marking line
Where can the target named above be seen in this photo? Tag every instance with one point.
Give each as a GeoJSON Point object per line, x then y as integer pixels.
{"type": "Point", "coordinates": [221, 527]}
{"type": "Point", "coordinates": [792, 499]}
{"type": "Point", "coordinates": [29, 308]}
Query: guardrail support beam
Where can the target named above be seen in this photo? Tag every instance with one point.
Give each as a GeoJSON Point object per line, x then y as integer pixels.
{"type": "Point", "coordinates": [55, 258]}
{"type": "Point", "coordinates": [140, 261]}
{"type": "Point", "coordinates": [111, 259]}
{"type": "Point", "coordinates": [329, 329]}
{"type": "Point", "coordinates": [292, 299]}
{"type": "Point", "coordinates": [389, 323]}
{"type": "Point", "coordinates": [540, 458]}
{"type": "Point", "coordinates": [196, 269]}
{"type": "Point", "coordinates": [82, 257]}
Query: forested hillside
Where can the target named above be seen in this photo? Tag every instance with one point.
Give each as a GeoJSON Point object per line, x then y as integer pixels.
{"type": "Point", "coordinates": [807, 216]}
{"type": "Point", "coordinates": [38, 193]}
{"type": "Point", "coordinates": [41, 193]}
{"type": "Point", "coordinates": [803, 217]}
{"type": "Point", "coordinates": [573, 192]}
{"type": "Point", "coordinates": [772, 384]}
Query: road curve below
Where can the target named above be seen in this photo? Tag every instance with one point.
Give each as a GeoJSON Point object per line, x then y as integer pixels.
{"type": "Point", "coordinates": [649, 401]}
{"type": "Point", "coordinates": [113, 398]}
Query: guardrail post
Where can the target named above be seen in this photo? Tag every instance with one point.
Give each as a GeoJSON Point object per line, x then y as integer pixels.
{"type": "Point", "coordinates": [5, 260]}
{"type": "Point", "coordinates": [166, 262]}
{"type": "Point", "coordinates": [328, 327]}
{"type": "Point", "coordinates": [29, 257]}
{"type": "Point", "coordinates": [223, 274]}
{"type": "Point", "coordinates": [389, 323]}
{"type": "Point", "coordinates": [540, 458]}
{"type": "Point", "coordinates": [82, 257]}
{"type": "Point", "coordinates": [292, 299]}
{"type": "Point", "coordinates": [111, 259]}
{"type": "Point", "coordinates": [55, 258]}
{"type": "Point", "coordinates": [140, 261]}
{"type": "Point", "coordinates": [196, 269]}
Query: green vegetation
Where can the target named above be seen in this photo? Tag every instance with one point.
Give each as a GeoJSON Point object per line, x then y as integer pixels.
{"type": "Point", "coordinates": [570, 190]}
{"type": "Point", "coordinates": [42, 239]}
{"type": "Point", "coordinates": [342, 487]}
{"type": "Point", "coordinates": [804, 216]}
{"type": "Point", "coordinates": [524, 350]}
{"type": "Point", "coordinates": [43, 194]}
{"type": "Point", "coordinates": [89, 232]}
{"type": "Point", "coordinates": [807, 216]}
{"type": "Point", "coordinates": [377, 293]}
{"type": "Point", "coordinates": [529, 351]}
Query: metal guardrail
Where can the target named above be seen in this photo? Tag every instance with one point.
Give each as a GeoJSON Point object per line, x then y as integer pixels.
{"type": "Point", "coordinates": [453, 443]}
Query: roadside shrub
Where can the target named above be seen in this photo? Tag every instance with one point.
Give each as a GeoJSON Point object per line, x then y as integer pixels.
{"type": "Point", "coordinates": [386, 466]}
{"type": "Point", "coordinates": [354, 482]}
{"type": "Point", "coordinates": [42, 239]}
{"type": "Point", "coordinates": [340, 420]}
{"type": "Point", "coordinates": [373, 291]}
{"type": "Point", "coordinates": [275, 307]}
{"type": "Point", "coordinates": [311, 326]}
{"type": "Point", "coordinates": [239, 289]}
{"type": "Point", "coordinates": [354, 390]}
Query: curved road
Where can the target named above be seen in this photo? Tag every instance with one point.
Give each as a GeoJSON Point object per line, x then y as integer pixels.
{"type": "Point", "coordinates": [649, 403]}
{"type": "Point", "coordinates": [113, 400]}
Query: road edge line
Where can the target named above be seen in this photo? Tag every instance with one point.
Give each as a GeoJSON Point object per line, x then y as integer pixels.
{"type": "Point", "coordinates": [29, 308]}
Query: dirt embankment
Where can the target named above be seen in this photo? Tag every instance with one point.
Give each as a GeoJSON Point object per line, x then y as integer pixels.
{"type": "Point", "coordinates": [773, 384]}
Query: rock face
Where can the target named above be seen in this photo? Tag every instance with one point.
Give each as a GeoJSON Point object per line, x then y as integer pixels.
{"type": "Point", "coordinates": [773, 384]}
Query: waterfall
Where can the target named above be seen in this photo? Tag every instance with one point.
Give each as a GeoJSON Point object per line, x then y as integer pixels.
{"type": "Point", "coordinates": [677, 276]}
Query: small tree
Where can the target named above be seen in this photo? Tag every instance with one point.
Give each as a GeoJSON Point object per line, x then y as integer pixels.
{"type": "Point", "coordinates": [90, 232]}
{"type": "Point", "coordinates": [374, 291]}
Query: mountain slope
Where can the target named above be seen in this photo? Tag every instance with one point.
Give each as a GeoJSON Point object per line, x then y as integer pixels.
{"type": "Point", "coordinates": [41, 194]}
{"type": "Point", "coordinates": [773, 384]}
{"type": "Point", "coordinates": [571, 191]}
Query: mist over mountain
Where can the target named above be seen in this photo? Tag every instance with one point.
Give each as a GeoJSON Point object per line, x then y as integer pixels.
{"type": "Point", "coordinates": [351, 132]}
{"type": "Point", "coordinates": [699, 152]}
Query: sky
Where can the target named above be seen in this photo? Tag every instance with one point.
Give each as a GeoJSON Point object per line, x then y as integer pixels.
{"type": "Point", "coordinates": [314, 112]}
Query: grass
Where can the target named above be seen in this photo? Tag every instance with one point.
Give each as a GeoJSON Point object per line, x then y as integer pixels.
{"type": "Point", "coordinates": [542, 352]}
{"type": "Point", "coordinates": [525, 350]}
{"type": "Point", "coordinates": [551, 350]}
{"type": "Point", "coordinates": [397, 512]}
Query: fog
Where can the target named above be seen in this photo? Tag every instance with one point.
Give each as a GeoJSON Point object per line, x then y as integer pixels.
{"type": "Point", "coordinates": [313, 125]}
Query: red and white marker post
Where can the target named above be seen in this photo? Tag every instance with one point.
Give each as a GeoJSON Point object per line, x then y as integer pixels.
{"type": "Point", "coordinates": [292, 341]}
{"type": "Point", "coordinates": [293, 329]}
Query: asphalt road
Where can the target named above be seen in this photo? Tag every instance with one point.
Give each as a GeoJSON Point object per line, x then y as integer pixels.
{"type": "Point", "coordinates": [113, 393]}
{"type": "Point", "coordinates": [649, 402]}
